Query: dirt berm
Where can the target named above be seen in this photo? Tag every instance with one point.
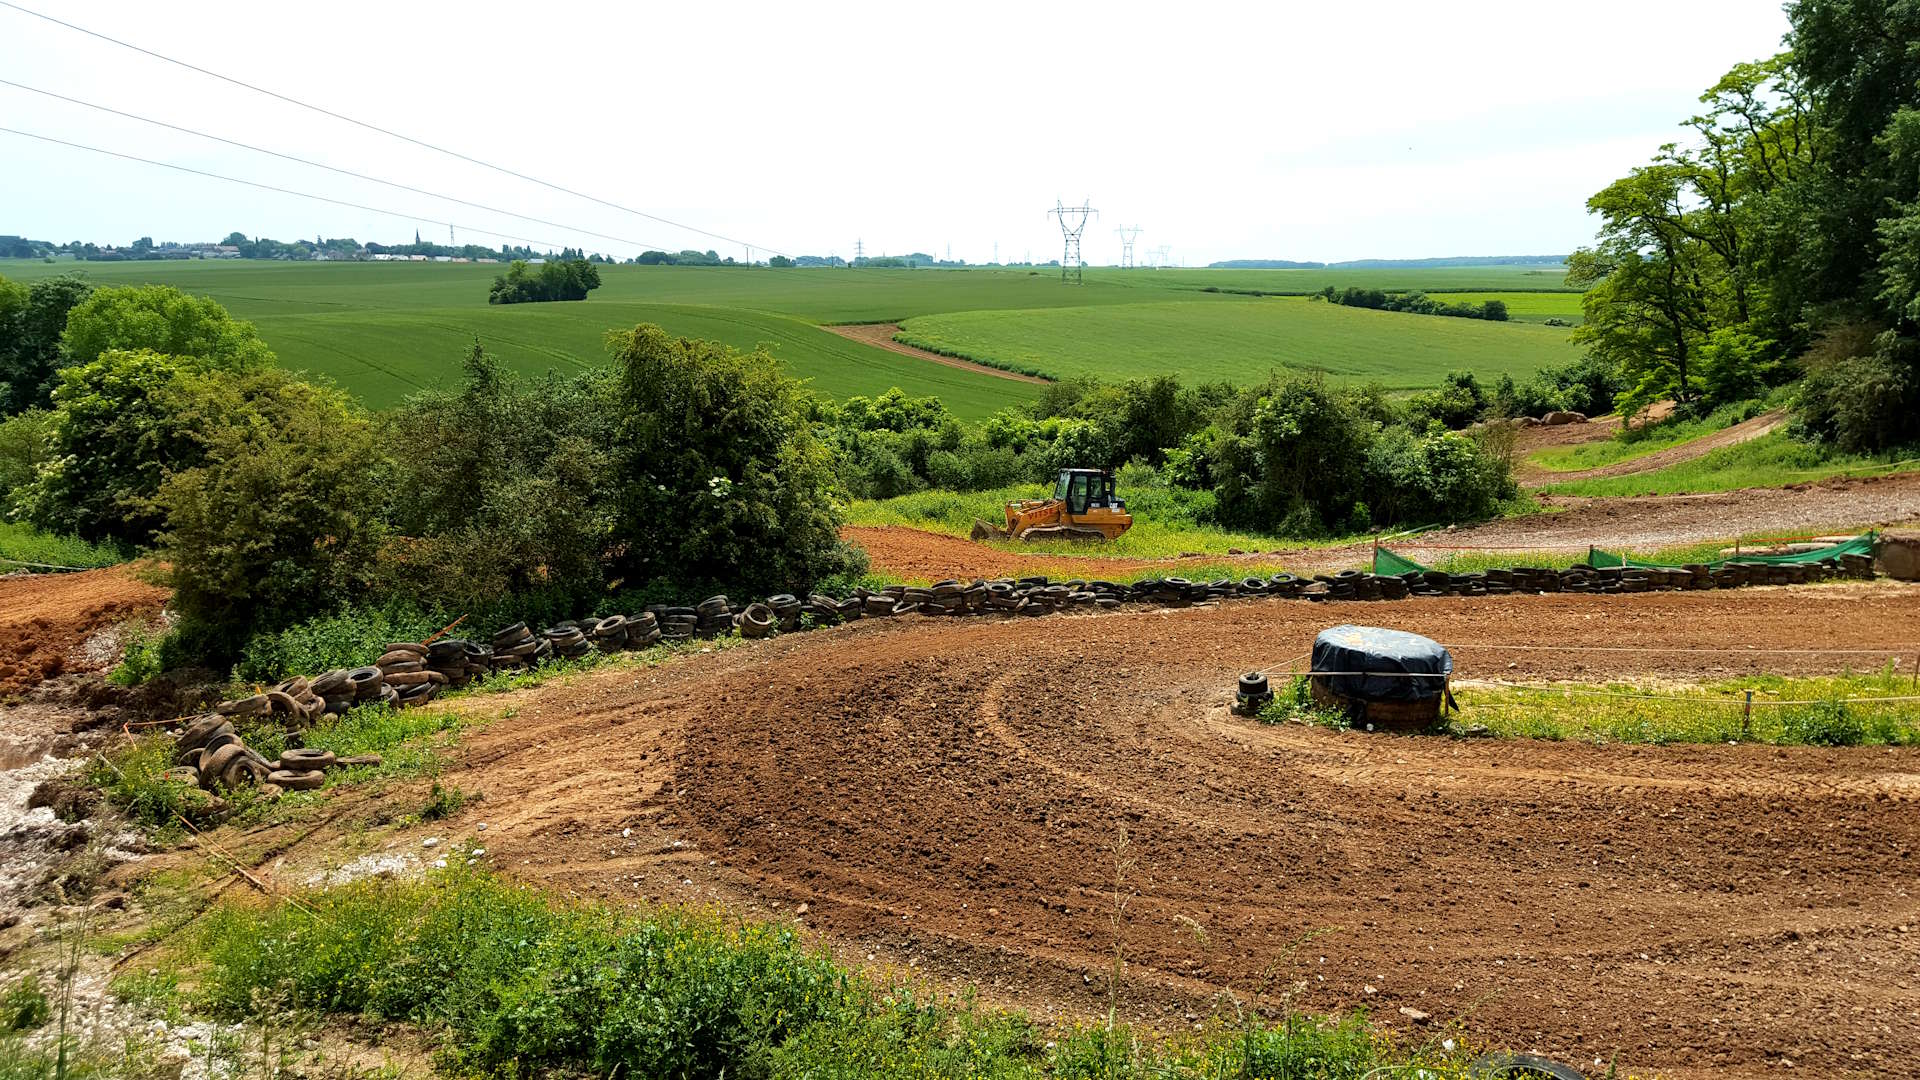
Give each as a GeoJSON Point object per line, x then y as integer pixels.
{"type": "Point", "coordinates": [950, 795]}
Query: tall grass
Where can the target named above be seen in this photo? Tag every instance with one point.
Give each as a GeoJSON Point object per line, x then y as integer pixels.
{"type": "Point", "coordinates": [518, 985]}
{"type": "Point", "coordinates": [21, 543]}
{"type": "Point", "coordinates": [1786, 711]}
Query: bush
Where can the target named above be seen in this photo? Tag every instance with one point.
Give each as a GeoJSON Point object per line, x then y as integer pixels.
{"type": "Point", "coordinates": [23, 1007]}
{"type": "Point", "coordinates": [508, 490]}
{"type": "Point", "coordinates": [346, 638]}
{"type": "Point", "coordinates": [24, 441]}
{"type": "Point", "coordinates": [720, 478]}
{"type": "Point", "coordinates": [1862, 404]}
{"type": "Point", "coordinates": [278, 519]}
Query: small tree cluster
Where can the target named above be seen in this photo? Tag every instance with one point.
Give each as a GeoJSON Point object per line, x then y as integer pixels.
{"type": "Point", "coordinates": [569, 279]}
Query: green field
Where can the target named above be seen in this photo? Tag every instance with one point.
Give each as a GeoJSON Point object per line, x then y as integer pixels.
{"type": "Point", "coordinates": [1766, 462]}
{"type": "Point", "coordinates": [1525, 306]}
{"type": "Point", "coordinates": [384, 330]}
{"type": "Point", "coordinates": [1241, 340]}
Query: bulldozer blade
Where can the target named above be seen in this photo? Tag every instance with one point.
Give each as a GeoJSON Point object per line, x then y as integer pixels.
{"type": "Point", "coordinates": [984, 531]}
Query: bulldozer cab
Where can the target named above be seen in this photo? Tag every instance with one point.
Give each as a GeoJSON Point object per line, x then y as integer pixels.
{"type": "Point", "coordinates": [1087, 489]}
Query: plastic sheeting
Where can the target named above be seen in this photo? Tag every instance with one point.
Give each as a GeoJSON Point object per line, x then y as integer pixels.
{"type": "Point", "coordinates": [1393, 654]}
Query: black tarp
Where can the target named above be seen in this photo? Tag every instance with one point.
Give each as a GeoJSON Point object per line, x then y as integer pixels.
{"type": "Point", "coordinates": [1393, 653]}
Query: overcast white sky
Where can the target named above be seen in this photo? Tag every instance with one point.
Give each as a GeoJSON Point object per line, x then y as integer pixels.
{"type": "Point", "coordinates": [1277, 130]}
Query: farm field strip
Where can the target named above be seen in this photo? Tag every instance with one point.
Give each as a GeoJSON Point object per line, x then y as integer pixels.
{"type": "Point", "coordinates": [1241, 341]}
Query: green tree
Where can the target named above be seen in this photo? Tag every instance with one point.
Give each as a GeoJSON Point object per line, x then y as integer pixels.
{"type": "Point", "coordinates": [508, 491]}
{"type": "Point", "coordinates": [1646, 280]}
{"type": "Point", "coordinates": [277, 521]}
{"type": "Point", "coordinates": [165, 320]}
{"type": "Point", "coordinates": [720, 476]}
{"type": "Point", "coordinates": [30, 329]}
{"type": "Point", "coordinates": [121, 424]}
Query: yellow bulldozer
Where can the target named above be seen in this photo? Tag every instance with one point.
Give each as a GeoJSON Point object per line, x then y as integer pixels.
{"type": "Point", "coordinates": [1083, 507]}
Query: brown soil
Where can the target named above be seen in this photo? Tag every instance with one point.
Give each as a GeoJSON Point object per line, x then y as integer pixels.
{"type": "Point", "coordinates": [948, 796]}
{"type": "Point", "coordinates": [45, 618]}
{"type": "Point", "coordinates": [880, 336]}
{"type": "Point", "coordinates": [1766, 423]}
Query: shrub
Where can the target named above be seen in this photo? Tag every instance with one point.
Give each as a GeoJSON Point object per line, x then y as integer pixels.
{"type": "Point", "coordinates": [23, 1006]}
{"type": "Point", "coordinates": [24, 440]}
{"type": "Point", "coordinates": [508, 490]}
{"type": "Point", "coordinates": [720, 477]}
{"type": "Point", "coordinates": [563, 279]}
{"type": "Point", "coordinates": [278, 519]}
{"type": "Point", "coordinates": [1863, 403]}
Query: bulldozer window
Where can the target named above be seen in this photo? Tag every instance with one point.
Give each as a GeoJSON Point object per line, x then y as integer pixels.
{"type": "Point", "coordinates": [1060, 489]}
{"type": "Point", "coordinates": [1077, 495]}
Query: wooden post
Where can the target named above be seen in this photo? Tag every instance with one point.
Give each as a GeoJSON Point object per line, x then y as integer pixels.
{"type": "Point", "coordinates": [1746, 718]}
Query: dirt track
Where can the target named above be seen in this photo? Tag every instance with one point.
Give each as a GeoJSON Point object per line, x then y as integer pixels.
{"type": "Point", "coordinates": [1645, 524]}
{"type": "Point", "coordinates": [948, 795]}
{"type": "Point", "coordinates": [880, 336]}
{"type": "Point", "coordinates": [44, 618]}
{"type": "Point", "coordinates": [1745, 431]}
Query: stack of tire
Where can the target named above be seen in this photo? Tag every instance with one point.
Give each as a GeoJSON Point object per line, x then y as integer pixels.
{"type": "Point", "coordinates": [676, 623]}
{"type": "Point", "coordinates": [403, 669]}
{"type": "Point", "coordinates": [344, 688]}
{"type": "Point", "coordinates": [755, 621]}
{"type": "Point", "coordinates": [569, 640]}
{"type": "Point", "coordinates": [786, 611]}
{"type": "Point", "coordinates": [715, 615]}
{"type": "Point", "coordinates": [824, 610]}
{"type": "Point", "coordinates": [517, 646]}
{"type": "Point", "coordinates": [459, 660]}
{"type": "Point", "coordinates": [209, 754]}
{"type": "Point", "coordinates": [293, 703]}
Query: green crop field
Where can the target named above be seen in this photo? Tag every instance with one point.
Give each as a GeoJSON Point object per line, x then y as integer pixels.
{"type": "Point", "coordinates": [1241, 341]}
{"type": "Point", "coordinates": [384, 330]}
{"type": "Point", "coordinates": [1525, 306]}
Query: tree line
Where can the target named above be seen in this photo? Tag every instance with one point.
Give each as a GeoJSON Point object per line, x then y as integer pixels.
{"type": "Point", "coordinates": [1779, 238]}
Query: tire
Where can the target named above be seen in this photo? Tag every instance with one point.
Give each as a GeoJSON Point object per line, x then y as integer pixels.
{"type": "Point", "coordinates": [1528, 1065]}
{"type": "Point", "coordinates": [305, 760]}
{"type": "Point", "coordinates": [257, 705]}
{"type": "Point", "coordinates": [330, 684]}
{"type": "Point", "coordinates": [365, 681]}
{"type": "Point", "coordinates": [215, 764]}
{"type": "Point", "coordinates": [404, 679]}
{"type": "Point", "coordinates": [295, 687]}
{"type": "Point", "coordinates": [413, 647]}
{"type": "Point", "coordinates": [387, 659]}
{"type": "Point", "coordinates": [201, 731]}
{"type": "Point", "coordinates": [297, 781]}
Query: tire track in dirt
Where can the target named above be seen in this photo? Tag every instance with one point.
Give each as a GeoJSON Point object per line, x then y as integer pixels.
{"type": "Point", "coordinates": [949, 793]}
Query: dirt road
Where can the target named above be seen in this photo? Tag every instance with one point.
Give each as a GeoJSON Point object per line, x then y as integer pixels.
{"type": "Point", "coordinates": [880, 336]}
{"type": "Point", "coordinates": [967, 798]}
{"type": "Point", "coordinates": [1644, 524]}
{"type": "Point", "coordinates": [44, 618]}
{"type": "Point", "coordinates": [1765, 424]}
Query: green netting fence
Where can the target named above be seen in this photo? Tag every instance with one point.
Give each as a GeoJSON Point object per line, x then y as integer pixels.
{"type": "Point", "coordinates": [1390, 562]}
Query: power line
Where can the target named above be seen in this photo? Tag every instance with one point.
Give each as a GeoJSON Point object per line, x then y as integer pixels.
{"type": "Point", "coordinates": [549, 244]}
{"type": "Point", "coordinates": [643, 245]}
{"type": "Point", "coordinates": [377, 128]}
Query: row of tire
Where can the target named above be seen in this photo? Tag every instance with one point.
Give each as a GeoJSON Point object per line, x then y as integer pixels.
{"type": "Point", "coordinates": [409, 673]}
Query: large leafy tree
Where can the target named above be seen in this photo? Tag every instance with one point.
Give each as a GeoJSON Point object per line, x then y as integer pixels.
{"type": "Point", "coordinates": [164, 320]}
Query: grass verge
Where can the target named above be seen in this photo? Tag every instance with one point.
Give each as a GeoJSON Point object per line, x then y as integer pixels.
{"type": "Point", "coordinates": [1837, 710]}
{"type": "Point", "coordinates": [514, 984]}
{"type": "Point", "coordinates": [1768, 461]}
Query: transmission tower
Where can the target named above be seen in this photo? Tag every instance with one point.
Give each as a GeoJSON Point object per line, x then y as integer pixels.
{"type": "Point", "coordinates": [859, 251]}
{"type": "Point", "coordinates": [1160, 255]}
{"type": "Point", "coordinates": [1127, 234]}
{"type": "Point", "coordinates": [1073, 221]}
